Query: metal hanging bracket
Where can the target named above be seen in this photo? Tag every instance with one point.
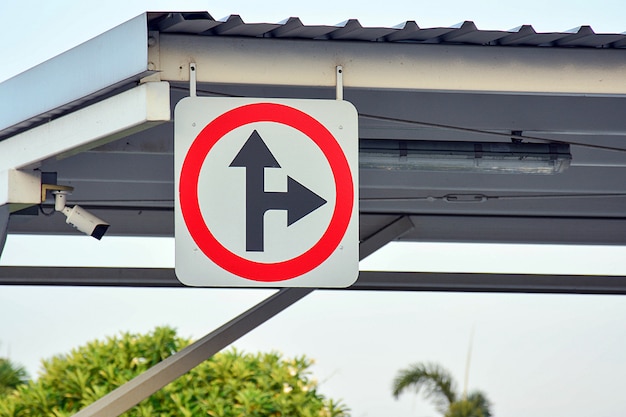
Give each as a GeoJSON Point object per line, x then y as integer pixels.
{"type": "Point", "coordinates": [339, 85]}
{"type": "Point", "coordinates": [192, 79]}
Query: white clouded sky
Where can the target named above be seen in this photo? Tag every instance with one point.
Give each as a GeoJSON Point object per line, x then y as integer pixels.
{"type": "Point", "coordinates": [539, 355]}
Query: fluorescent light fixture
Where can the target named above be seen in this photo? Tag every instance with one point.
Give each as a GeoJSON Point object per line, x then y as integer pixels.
{"type": "Point", "coordinates": [480, 157]}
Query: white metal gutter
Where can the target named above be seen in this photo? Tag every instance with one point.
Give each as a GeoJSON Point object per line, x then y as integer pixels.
{"type": "Point", "coordinates": [401, 66]}
{"type": "Point", "coordinates": [102, 122]}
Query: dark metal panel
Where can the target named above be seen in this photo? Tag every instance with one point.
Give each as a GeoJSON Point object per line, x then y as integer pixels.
{"type": "Point", "coordinates": [352, 30]}
{"type": "Point", "coordinates": [468, 202]}
{"type": "Point", "coordinates": [293, 28]}
{"type": "Point", "coordinates": [158, 140]}
{"type": "Point", "coordinates": [114, 167]}
{"type": "Point", "coordinates": [182, 22]}
{"type": "Point", "coordinates": [119, 195]}
{"type": "Point", "coordinates": [518, 36]}
{"type": "Point", "coordinates": [510, 229]}
{"type": "Point", "coordinates": [410, 31]}
{"type": "Point", "coordinates": [584, 36]}
{"type": "Point", "coordinates": [581, 180]}
{"type": "Point", "coordinates": [131, 221]}
{"type": "Point", "coordinates": [494, 112]}
{"type": "Point", "coordinates": [532, 40]}
{"type": "Point", "coordinates": [467, 32]}
{"type": "Point", "coordinates": [234, 26]}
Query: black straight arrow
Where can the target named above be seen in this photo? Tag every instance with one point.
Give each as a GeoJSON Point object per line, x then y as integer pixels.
{"type": "Point", "coordinates": [299, 201]}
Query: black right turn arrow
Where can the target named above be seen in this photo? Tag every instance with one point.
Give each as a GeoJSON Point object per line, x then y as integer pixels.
{"type": "Point", "coordinates": [298, 200]}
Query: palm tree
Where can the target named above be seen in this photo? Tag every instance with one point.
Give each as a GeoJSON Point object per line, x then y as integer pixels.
{"type": "Point", "coordinates": [11, 376]}
{"type": "Point", "coordinates": [438, 385]}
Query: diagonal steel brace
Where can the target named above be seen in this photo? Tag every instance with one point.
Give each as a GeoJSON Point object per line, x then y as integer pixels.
{"type": "Point", "coordinates": [141, 387]}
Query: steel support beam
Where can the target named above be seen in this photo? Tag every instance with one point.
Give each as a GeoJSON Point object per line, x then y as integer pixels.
{"type": "Point", "coordinates": [146, 384]}
{"type": "Point", "coordinates": [88, 276]}
{"type": "Point", "coordinates": [368, 280]}
{"type": "Point", "coordinates": [480, 282]}
{"type": "Point", "coordinates": [385, 235]}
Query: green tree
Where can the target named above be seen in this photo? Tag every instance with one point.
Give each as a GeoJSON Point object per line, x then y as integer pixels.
{"type": "Point", "coordinates": [437, 384]}
{"type": "Point", "coordinates": [231, 383]}
{"type": "Point", "coordinates": [11, 376]}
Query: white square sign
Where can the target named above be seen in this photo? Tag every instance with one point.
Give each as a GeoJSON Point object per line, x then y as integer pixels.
{"type": "Point", "coordinates": [266, 192]}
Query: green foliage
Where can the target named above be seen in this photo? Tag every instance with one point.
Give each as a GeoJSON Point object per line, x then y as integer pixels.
{"type": "Point", "coordinates": [230, 384]}
{"type": "Point", "coordinates": [475, 405]}
{"type": "Point", "coordinates": [438, 385]}
{"type": "Point", "coordinates": [11, 376]}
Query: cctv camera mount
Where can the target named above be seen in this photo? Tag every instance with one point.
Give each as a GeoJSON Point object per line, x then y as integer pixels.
{"type": "Point", "coordinates": [78, 217]}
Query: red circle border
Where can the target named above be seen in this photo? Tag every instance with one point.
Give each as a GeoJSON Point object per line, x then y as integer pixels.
{"type": "Point", "coordinates": [190, 206]}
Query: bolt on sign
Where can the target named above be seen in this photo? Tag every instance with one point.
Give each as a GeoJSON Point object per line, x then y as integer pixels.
{"type": "Point", "coordinates": [266, 192]}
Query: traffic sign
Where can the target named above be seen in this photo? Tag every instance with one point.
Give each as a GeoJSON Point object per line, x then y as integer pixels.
{"type": "Point", "coordinates": [266, 192]}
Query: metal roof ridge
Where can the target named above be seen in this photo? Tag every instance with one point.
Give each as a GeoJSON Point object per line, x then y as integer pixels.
{"type": "Point", "coordinates": [466, 32]}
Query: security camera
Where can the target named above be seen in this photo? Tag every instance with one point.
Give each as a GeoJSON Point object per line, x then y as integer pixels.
{"type": "Point", "coordinates": [80, 218]}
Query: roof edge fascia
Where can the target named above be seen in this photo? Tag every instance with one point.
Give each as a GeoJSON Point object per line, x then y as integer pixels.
{"type": "Point", "coordinates": [106, 60]}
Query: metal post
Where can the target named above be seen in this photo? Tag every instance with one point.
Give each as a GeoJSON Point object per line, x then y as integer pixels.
{"type": "Point", "coordinates": [4, 225]}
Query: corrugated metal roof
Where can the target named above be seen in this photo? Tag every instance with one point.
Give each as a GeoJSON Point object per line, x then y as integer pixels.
{"type": "Point", "coordinates": [409, 31]}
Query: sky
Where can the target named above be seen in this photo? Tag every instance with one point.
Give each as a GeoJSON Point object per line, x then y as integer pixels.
{"type": "Point", "coordinates": [539, 355]}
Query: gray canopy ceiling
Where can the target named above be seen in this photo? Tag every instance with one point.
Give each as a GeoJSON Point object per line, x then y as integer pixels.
{"type": "Point", "coordinates": [407, 83]}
